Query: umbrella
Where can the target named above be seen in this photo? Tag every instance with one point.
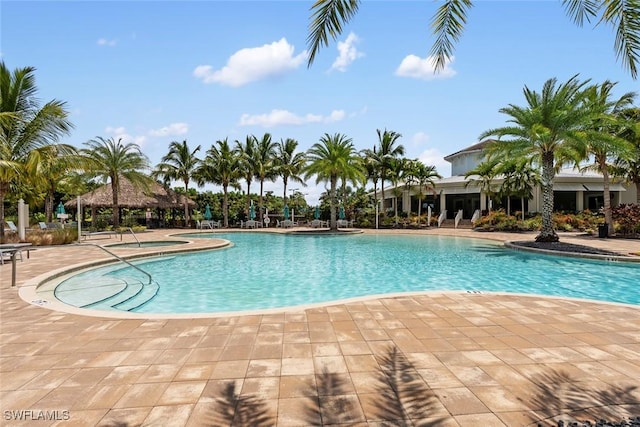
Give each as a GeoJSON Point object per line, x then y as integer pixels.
{"type": "Point", "coordinates": [60, 209]}
{"type": "Point", "coordinates": [341, 213]}
{"type": "Point", "coordinates": [207, 213]}
{"type": "Point", "coordinates": [252, 212]}
{"type": "Point", "coordinates": [316, 213]}
{"type": "Point", "coordinates": [286, 212]}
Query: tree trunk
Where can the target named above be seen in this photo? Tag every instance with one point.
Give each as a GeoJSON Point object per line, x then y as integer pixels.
{"type": "Point", "coordinates": [260, 201]}
{"type": "Point", "coordinates": [225, 206]}
{"type": "Point", "coordinates": [522, 205]}
{"type": "Point", "coordinates": [419, 211]}
{"type": "Point", "coordinates": [116, 211]}
{"type": "Point", "coordinates": [547, 233]}
{"type": "Point", "coordinates": [284, 198]}
{"type": "Point", "coordinates": [48, 206]}
{"type": "Point", "coordinates": [384, 212]}
{"type": "Point", "coordinates": [2, 193]}
{"type": "Point", "coordinates": [187, 221]}
{"type": "Point", "coordinates": [608, 218]}
{"type": "Point", "coordinates": [333, 203]}
{"type": "Point", "coordinates": [248, 198]}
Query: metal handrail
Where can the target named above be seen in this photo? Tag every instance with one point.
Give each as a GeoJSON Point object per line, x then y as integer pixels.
{"type": "Point", "coordinates": [134, 236]}
{"type": "Point", "coordinates": [476, 216]}
{"type": "Point", "coordinates": [118, 258]}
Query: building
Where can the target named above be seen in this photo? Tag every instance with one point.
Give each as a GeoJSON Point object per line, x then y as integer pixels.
{"type": "Point", "coordinates": [574, 190]}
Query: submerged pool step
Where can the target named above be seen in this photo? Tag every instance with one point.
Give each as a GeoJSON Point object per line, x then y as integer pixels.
{"type": "Point", "coordinates": [131, 290]}
{"type": "Point", "coordinates": [83, 293]}
{"type": "Point", "coordinates": [147, 293]}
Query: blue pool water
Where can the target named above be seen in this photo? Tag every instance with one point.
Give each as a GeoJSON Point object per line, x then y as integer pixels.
{"type": "Point", "coordinates": [267, 270]}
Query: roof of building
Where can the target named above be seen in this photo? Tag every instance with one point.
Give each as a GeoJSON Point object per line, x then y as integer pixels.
{"type": "Point", "coordinates": [471, 149]}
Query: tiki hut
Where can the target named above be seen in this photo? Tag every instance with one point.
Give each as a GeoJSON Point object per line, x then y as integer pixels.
{"type": "Point", "coordinates": [156, 200]}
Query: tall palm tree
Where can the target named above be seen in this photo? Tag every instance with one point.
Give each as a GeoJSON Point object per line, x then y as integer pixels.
{"type": "Point", "coordinates": [50, 167]}
{"type": "Point", "coordinates": [24, 126]}
{"type": "Point", "coordinates": [328, 17]}
{"type": "Point", "coordinates": [179, 163]}
{"type": "Point", "coordinates": [371, 162]}
{"type": "Point", "coordinates": [111, 160]}
{"type": "Point", "coordinates": [398, 169]}
{"type": "Point", "coordinates": [248, 164]}
{"type": "Point", "coordinates": [485, 171]}
{"type": "Point", "coordinates": [519, 179]}
{"type": "Point", "coordinates": [424, 177]}
{"type": "Point", "coordinates": [265, 165]}
{"type": "Point", "coordinates": [388, 151]}
{"type": "Point", "coordinates": [629, 167]}
{"type": "Point", "coordinates": [289, 164]}
{"type": "Point", "coordinates": [602, 142]}
{"type": "Point", "coordinates": [548, 129]}
{"type": "Point", "coordinates": [334, 156]}
{"type": "Point", "coordinates": [221, 166]}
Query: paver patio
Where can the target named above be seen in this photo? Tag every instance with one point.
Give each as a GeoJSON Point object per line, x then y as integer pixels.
{"type": "Point", "coordinates": [438, 358]}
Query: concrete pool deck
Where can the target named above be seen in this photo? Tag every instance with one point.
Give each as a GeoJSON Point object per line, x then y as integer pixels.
{"type": "Point", "coordinates": [438, 358]}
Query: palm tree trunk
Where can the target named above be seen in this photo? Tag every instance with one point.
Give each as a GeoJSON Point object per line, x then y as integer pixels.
{"type": "Point", "coordinates": [522, 205]}
{"type": "Point", "coordinates": [187, 221]}
{"type": "Point", "coordinates": [3, 187]}
{"type": "Point", "coordinates": [48, 206]}
{"type": "Point", "coordinates": [248, 197]}
{"type": "Point", "coordinates": [284, 197]}
{"type": "Point", "coordinates": [333, 203]}
{"type": "Point", "coordinates": [419, 211]}
{"type": "Point", "coordinates": [116, 212]}
{"type": "Point", "coordinates": [608, 218]}
{"type": "Point", "coordinates": [261, 201]}
{"type": "Point", "coordinates": [384, 213]}
{"type": "Point", "coordinates": [547, 233]}
{"type": "Point", "coordinates": [225, 206]}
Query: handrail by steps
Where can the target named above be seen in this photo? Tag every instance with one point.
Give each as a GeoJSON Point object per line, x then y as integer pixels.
{"type": "Point", "coordinates": [118, 258]}
{"type": "Point", "coordinates": [458, 218]}
{"type": "Point", "coordinates": [442, 217]}
{"type": "Point", "coordinates": [134, 236]}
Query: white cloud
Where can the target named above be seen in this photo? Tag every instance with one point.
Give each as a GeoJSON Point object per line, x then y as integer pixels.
{"type": "Point", "coordinates": [121, 133]}
{"type": "Point", "coordinates": [251, 64]}
{"type": "Point", "coordinates": [347, 53]}
{"type": "Point", "coordinates": [172, 129]}
{"type": "Point", "coordinates": [106, 42]}
{"type": "Point", "coordinates": [284, 117]}
{"type": "Point", "coordinates": [424, 68]}
{"type": "Point", "coordinates": [433, 157]}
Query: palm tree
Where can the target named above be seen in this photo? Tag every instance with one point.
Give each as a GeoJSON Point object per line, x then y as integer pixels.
{"type": "Point", "coordinates": [328, 17]}
{"type": "Point", "coordinates": [221, 166]}
{"type": "Point", "coordinates": [50, 167]}
{"type": "Point", "coordinates": [371, 163]}
{"type": "Point", "coordinates": [424, 177]}
{"type": "Point", "coordinates": [24, 126]}
{"type": "Point", "coordinates": [248, 163]}
{"type": "Point", "coordinates": [388, 151]}
{"type": "Point", "coordinates": [111, 160]}
{"type": "Point", "coordinates": [486, 171]}
{"type": "Point", "coordinates": [548, 129]}
{"type": "Point", "coordinates": [603, 143]}
{"type": "Point", "coordinates": [519, 179]}
{"type": "Point", "coordinates": [331, 158]}
{"type": "Point", "coordinates": [398, 169]}
{"type": "Point", "coordinates": [629, 167]}
{"type": "Point", "coordinates": [265, 165]}
{"type": "Point", "coordinates": [179, 163]}
{"type": "Point", "coordinates": [288, 164]}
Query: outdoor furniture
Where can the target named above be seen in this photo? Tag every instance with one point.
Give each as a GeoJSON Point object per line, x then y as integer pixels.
{"type": "Point", "coordinates": [14, 250]}
{"type": "Point", "coordinates": [318, 223]}
{"type": "Point", "coordinates": [209, 224]}
{"type": "Point", "coordinates": [12, 226]}
{"type": "Point", "coordinates": [344, 223]}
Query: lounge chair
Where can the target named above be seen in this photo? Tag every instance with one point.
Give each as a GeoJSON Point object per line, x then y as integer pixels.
{"type": "Point", "coordinates": [43, 225]}
{"type": "Point", "coordinates": [12, 226]}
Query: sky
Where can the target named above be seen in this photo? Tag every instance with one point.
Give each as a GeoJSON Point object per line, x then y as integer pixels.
{"type": "Point", "coordinates": [152, 72]}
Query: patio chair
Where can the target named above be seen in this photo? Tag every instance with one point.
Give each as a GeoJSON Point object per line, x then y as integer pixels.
{"type": "Point", "coordinates": [12, 226]}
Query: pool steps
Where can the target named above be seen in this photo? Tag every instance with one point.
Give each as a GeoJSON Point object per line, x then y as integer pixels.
{"type": "Point", "coordinates": [107, 293]}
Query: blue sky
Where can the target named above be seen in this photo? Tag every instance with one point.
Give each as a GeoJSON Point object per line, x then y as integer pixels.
{"type": "Point", "coordinates": [153, 72]}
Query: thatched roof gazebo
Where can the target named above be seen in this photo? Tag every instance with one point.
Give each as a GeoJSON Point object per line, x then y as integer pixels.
{"type": "Point", "coordinates": [130, 196]}
{"type": "Point", "coordinates": [155, 197]}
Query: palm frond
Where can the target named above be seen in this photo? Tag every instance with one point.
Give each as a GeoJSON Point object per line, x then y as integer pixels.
{"type": "Point", "coordinates": [327, 19]}
{"type": "Point", "coordinates": [448, 25]}
{"type": "Point", "coordinates": [624, 15]}
{"type": "Point", "coordinates": [581, 10]}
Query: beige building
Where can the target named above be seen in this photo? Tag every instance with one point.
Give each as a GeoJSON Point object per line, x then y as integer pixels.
{"type": "Point", "coordinates": [573, 191]}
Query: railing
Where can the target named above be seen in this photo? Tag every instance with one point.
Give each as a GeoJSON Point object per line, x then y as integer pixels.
{"type": "Point", "coordinates": [458, 218]}
{"type": "Point", "coordinates": [119, 259]}
{"type": "Point", "coordinates": [133, 234]}
{"type": "Point", "coordinates": [442, 217]}
{"type": "Point", "coordinates": [475, 217]}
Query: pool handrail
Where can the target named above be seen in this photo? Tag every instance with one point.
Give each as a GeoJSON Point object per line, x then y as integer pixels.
{"type": "Point", "coordinates": [134, 236]}
{"type": "Point", "coordinates": [118, 258]}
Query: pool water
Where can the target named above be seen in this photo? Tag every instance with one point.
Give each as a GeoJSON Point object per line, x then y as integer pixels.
{"type": "Point", "coordinates": [268, 270]}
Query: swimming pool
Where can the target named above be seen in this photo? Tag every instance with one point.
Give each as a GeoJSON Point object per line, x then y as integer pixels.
{"type": "Point", "coordinates": [271, 270]}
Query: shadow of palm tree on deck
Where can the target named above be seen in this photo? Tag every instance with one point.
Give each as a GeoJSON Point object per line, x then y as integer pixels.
{"type": "Point", "coordinates": [232, 409]}
{"type": "Point", "coordinates": [558, 395]}
{"type": "Point", "coordinates": [330, 404]}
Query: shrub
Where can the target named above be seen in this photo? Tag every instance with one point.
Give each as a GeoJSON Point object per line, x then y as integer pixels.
{"type": "Point", "coordinates": [626, 219]}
